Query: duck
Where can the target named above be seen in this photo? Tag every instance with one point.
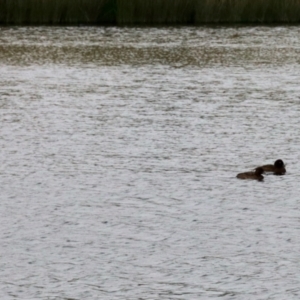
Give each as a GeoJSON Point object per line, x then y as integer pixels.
{"type": "Point", "coordinates": [257, 174]}
{"type": "Point", "coordinates": [278, 168]}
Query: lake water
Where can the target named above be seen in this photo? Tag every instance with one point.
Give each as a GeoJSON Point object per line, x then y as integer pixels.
{"type": "Point", "coordinates": [119, 151]}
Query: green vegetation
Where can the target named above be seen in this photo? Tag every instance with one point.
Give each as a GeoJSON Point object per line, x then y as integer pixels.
{"type": "Point", "coordinates": [120, 12]}
{"type": "Point", "coordinates": [156, 11]}
{"type": "Point", "coordinates": [57, 11]}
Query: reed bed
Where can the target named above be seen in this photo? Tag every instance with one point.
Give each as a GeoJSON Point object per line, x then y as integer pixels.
{"type": "Point", "coordinates": [57, 12]}
{"type": "Point", "coordinates": [119, 12]}
{"type": "Point", "coordinates": [156, 11]}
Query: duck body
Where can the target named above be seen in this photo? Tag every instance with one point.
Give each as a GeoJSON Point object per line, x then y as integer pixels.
{"type": "Point", "coordinates": [277, 169]}
{"type": "Point", "coordinates": [256, 175]}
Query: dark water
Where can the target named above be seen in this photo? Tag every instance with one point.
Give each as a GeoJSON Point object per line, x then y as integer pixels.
{"type": "Point", "coordinates": [119, 151]}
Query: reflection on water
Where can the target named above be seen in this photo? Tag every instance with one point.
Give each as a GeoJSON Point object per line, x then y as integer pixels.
{"type": "Point", "coordinates": [177, 47]}
{"type": "Point", "coordinates": [120, 148]}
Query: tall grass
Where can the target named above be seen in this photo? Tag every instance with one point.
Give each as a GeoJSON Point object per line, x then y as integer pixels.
{"type": "Point", "coordinates": [207, 11]}
{"type": "Point", "coordinates": [156, 11]}
{"type": "Point", "coordinates": [148, 11]}
{"type": "Point", "coordinates": [248, 11]}
{"type": "Point", "coordinates": [57, 11]}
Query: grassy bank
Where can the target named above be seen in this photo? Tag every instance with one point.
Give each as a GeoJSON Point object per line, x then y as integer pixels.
{"type": "Point", "coordinates": [118, 12]}
{"type": "Point", "coordinates": [57, 12]}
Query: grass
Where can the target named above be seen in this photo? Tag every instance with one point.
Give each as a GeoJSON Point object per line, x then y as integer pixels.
{"type": "Point", "coordinates": [156, 11]}
{"type": "Point", "coordinates": [248, 11]}
{"type": "Point", "coordinates": [120, 12]}
{"type": "Point", "coordinates": [57, 12]}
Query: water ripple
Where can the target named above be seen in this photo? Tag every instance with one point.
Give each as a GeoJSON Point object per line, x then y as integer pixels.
{"type": "Point", "coordinates": [120, 148]}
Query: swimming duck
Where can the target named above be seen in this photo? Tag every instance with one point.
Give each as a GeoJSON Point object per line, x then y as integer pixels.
{"type": "Point", "coordinates": [278, 168]}
{"type": "Point", "coordinates": [252, 175]}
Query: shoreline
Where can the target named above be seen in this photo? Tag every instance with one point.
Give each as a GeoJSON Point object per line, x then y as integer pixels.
{"type": "Point", "coordinates": [148, 12]}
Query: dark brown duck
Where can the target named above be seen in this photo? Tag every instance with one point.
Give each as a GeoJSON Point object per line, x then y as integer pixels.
{"type": "Point", "coordinates": [252, 175]}
{"type": "Point", "coordinates": [278, 168]}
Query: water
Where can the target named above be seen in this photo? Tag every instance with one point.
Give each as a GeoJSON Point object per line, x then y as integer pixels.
{"type": "Point", "coordinates": [119, 151]}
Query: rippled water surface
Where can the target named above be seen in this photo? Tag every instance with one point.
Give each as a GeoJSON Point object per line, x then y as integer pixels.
{"type": "Point", "coordinates": [119, 151]}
